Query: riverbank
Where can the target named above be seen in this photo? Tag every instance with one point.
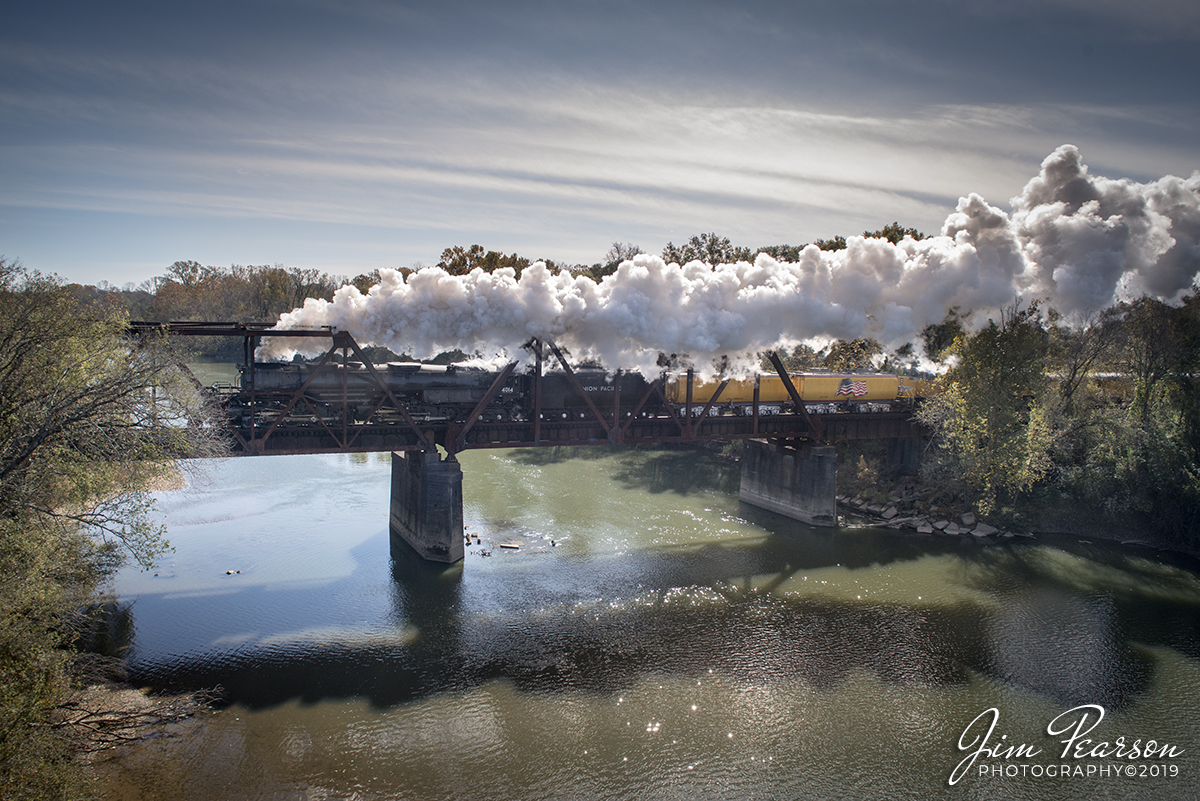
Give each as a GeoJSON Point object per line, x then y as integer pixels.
{"type": "Point", "coordinates": [98, 720]}
{"type": "Point", "coordinates": [907, 507]}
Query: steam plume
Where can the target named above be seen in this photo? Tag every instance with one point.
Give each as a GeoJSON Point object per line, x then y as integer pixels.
{"type": "Point", "coordinates": [1078, 241]}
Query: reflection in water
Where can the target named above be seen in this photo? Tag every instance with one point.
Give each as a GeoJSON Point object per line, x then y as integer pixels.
{"type": "Point", "coordinates": [671, 643]}
{"type": "Point", "coordinates": [1066, 647]}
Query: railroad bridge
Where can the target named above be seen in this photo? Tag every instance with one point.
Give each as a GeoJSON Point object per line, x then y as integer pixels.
{"type": "Point", "coordinates": [788, 466]}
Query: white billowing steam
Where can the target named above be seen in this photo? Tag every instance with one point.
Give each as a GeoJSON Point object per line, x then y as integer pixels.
{"type": "Point", "coordinates": [1076, 240]}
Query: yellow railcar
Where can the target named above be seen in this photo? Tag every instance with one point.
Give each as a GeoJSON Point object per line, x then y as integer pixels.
{"type": "Point", "coordinates": [910, 388]}
{"type": "Point", "coordinates": [814, 388]}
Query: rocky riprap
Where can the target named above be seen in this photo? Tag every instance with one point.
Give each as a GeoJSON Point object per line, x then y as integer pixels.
{"type": "Point", "coordinates": [901, 511]}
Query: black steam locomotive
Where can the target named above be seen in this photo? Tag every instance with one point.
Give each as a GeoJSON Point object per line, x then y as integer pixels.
{"type": "Point", "coordinates": [433, 392]}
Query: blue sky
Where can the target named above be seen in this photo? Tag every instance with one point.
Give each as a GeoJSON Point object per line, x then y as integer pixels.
{"type": "Point", "coordinates": [359, 134]}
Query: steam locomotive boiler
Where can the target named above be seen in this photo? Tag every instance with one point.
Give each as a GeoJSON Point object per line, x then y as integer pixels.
{"type": "Point", "coordinates": [428, 391]}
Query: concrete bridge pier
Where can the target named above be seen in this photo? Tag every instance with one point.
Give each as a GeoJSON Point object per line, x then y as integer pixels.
{"type": "Point", "coordinates": [799, 482]}
{"type": "Point", "coordinates": [427, 506]}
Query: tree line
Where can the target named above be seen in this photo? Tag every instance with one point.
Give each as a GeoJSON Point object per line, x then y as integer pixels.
{"type": "Point", "coordinates": [189, 290]}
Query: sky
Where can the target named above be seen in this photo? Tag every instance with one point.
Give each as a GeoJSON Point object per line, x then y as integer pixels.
{"type": "Point", "coordinates": [350, 135]}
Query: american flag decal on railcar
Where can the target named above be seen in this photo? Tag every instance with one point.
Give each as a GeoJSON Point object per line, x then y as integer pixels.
{"type": "Point", "coordinates": [855, 388]}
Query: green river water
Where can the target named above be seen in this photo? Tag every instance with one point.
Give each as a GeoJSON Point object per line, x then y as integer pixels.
{"type": "Point", "coordinates": [652, 638]}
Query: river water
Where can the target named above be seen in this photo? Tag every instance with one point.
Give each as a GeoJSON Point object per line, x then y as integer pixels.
{"type": "Point", "coordinates": [652, 638]}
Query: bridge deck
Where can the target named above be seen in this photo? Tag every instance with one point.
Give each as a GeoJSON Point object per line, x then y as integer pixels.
{"type": "Point", "coordinates": [311, 437]}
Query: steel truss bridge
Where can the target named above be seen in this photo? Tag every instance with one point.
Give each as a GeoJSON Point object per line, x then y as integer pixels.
{"type": "Point", "coordinates": [267, 422]}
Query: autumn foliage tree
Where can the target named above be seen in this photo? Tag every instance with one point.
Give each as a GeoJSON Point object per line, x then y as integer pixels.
{"type": "Point", "coordinates": [990, 413]}
{"type": "Point", "coordinates": [458, 260]}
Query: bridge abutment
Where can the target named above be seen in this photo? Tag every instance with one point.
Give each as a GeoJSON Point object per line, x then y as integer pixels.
{"type": "Point", "coordinates": [799, 482]}
{"type": "Point", "coordinates": [427, 506]}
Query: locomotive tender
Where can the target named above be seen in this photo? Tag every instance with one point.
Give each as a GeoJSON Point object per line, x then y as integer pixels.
{"type": "Point", "coordinates": [451, 392]}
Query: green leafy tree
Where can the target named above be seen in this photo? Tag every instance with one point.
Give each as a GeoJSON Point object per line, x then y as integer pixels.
{"type": "Point", "coordinates": [937, 338]}
{"type": "Point", "coordinates": [263, 293]}
{"type": "Point", "coordinates": [846, 355]}
{"type": "Point", "coordinates": [88, 421]}
{"type": "Point", "coordinates": [709, 248]}
{"type": "Point", "coordinates": [364, 281]}
{"type": "Point", "coordinates": [902, 360]}
{"type": "Point", "coordinates": [1151, 346]}
{"type": "Point", "coordinates": [836, 243]}
{"type": "Point", "coordinates": [1076, 352]}
{"type": "Point", "coordinates": [893, 233]}
{"type": "Point", "coordinates": [788, 253]}
{"type": "Point", "coordinates": [991, 414]}
{"type": "Point", "coordinates": [1187, 377]}
{"type": "Point", "coordinates": [191, 274]}
{"type": "Point", "coordinates": [1135, 455]}
{"type": "Point", "coordinates": [458, 260]}
{"type": "Point", "coordinates": [801, 357]}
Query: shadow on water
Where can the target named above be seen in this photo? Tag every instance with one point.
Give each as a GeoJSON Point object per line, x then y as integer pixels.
{"type": "Point", "coordinates": [597, 624]}
{"type": "Point", "coordinates": [683, 470]}
{"type": "Point", "coordinates": [1072, 617]}
{"type": "Point", "coordinates": [679, 472]}
{"type": "Point", "coordinates": [557, 454]}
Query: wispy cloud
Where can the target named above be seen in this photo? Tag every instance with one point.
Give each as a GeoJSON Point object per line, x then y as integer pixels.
{"type": "Point", "coordinates": [409, 119]}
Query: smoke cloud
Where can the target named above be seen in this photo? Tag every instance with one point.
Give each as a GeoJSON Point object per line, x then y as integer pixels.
{"type": "Point", "coordinates": [1078, 241]}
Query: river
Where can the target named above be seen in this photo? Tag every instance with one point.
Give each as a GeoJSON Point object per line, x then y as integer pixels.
{"type": "Point", "coordinates": [652, 638]}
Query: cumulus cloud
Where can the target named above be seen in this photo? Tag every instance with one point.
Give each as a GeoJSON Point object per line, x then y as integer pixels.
{"type": "Point", "coordinates": [1088, 240]}
{"type": "Point", "coordinates": [1078, 241]}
